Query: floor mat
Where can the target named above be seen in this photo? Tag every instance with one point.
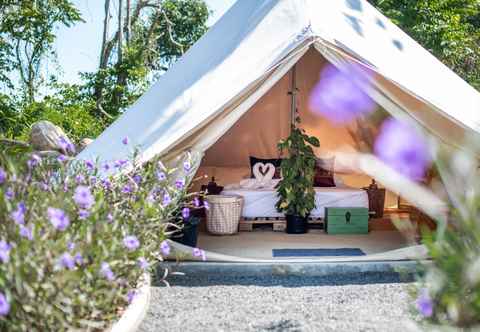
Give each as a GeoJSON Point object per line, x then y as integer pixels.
{"type": "Point", "coordinates": [317, 252]}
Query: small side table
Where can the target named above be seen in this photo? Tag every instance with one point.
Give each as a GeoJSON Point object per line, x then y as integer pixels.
{"type": "Point", "coordinates": [376, 199]}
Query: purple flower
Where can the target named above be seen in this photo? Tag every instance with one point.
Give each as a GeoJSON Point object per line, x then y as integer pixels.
{"type": "Point", "coordinates": [161, 176]}
{"type": "Point", "coordinates": [137, 178]}
{"type": "Point", "coordinates": [131, 295]}
{"type": "Point", "coordinates": [120, 163]}
{"type": "Point", "coordinates": [26, 232]}
{"type": "Point", "coordinates": [9, 194]}
{"type": "Point", "coordinates": [19, 214]}
{"type": "Point", "coordinates": [58, 218]}
{"type": "Point", "coordinates": [185, 213]}
{"type": "Point", "coordinates": [71, 246]}
{"type": "Point", "coordinates": [165, 248]}
{"type": "Point", "coordinates": [109, 217]}
{"type": "Point", "coordinates": [403, 148]}
{"type": "Point", "coordinates": [89, 164]}
{"type": "Point", "coordinates": [187, 166]}
{"type": "Point", "coordinates": [83, 214]}
{"type": "Point", "coordinates": [4, 251]}
{"type": "Point", "coordinates": [93, 180]}
{"type": "Point", "coordinates": [106, 184]}
{"type": "Point", "coordinates": [424, 304]}
{"type": "Point", "coordinates": [199, 253]}
{"type": "Point", "coordinates": [4, 305]}
{"type": "Point", "coordinates": [180, 184]}
{"type": "Point", "coordinates": [66, 261]}
{"type": "Point", "coordinates": [3, 175]}
{"type": "Point", "coordinates": [83, 197]}
{"type": "Point", "coordinates": [125, 140]}
{"type": "Point", "coordinates": [61, 158]}
{"type": "Point", "coordinates": [66, 145]}
{"type": "Point", "coordinates": [338, 95]}
{"type": "Point", "coordinates": [142, 263]}
{"type": "Point", "coordinates": [166, 199]}
{"type": "Point", "coordinates": [79, 178]}
{"type": "Point", "coordinates": [131, 242]}
{"type": "Point", "coordinates": [206, 206]}
{"type": "Point", "coordinates": [78, 259]}
{"type": "Point", "coordinates": [127, 189]}
{"type": "Point", "coordinates": [106, 271]}
{"type": "Point", "coordinates": [196, 202]}
{"type": "Point", "coordinates": [106, 167]}
{"type": "Point", "coordinates": [34, 161]}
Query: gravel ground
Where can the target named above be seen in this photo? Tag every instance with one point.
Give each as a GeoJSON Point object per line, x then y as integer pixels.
{"type": "Point", "coordinates": [358, 303]}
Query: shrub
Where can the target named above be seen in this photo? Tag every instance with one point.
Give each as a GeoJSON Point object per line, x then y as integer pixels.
{"type": "Point", "coordinates": [74, 241]}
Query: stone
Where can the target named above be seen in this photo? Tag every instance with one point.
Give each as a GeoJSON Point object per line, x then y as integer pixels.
{"type": "Point", "coordinates": [84, 143]}
{"type": "Point", "coordinates": [45, 136]}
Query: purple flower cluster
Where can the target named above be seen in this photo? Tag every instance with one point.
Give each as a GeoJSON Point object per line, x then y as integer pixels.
{"type": "Point", "coordinates": [19, 214]}
{"type": "Point", "coordinates": [402, 147]}
{"type": "Point", "coordinates": [338, 95]}
{"type": "Point", "coordinates": [120, 163]}
{"type": "Point", "coordinates": [180, 184]}
{"type": "Point", "coordinates": [58, 218]}
{"type": "Point", "coordinates": [185, 213]}
{"type": "Point", "coordinates": [3, 175]}
{"type": "Point", "coordinates": [166, 199]}
{"type": "Point", "coordinates": [26, 231]}
{"type": "Point", "coordinates": [9, 194]}
{"type": "Point", "coordinates": [66, 261]}
{"type": "Point", "coordinates": [66, 145]}
{"type": "Point", "coordinates": [106, 271]}
{"type": "Point", "coordinates": [424, 304]}
{"type": "Point", "coordinates": [83, 197]}
{"type": "Point", "coordinates": [165, 248]}
{"type": "Point", "coordinates": [5, 251]}
{"type": "Point", "coordinates": [199, 253]}
{"type": "Point", "coordinates": [90, 165]}
{"type": "Point", "coordinates": [34, 160]}
{"type": "Point", "coordinates": [142, 263]}
{"type": "Point", "coordinates": [4, 305]}
{"type": "Point", "coordinates": [131, 242]}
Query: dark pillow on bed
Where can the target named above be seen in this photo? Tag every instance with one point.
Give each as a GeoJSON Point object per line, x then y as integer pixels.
{"type": "Point", "coordinates": [276, 162]}
{"type": "Point", "coordinates": [324, 172]}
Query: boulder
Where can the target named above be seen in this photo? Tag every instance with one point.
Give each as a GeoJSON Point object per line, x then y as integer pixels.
{"type": "Point", "coordinates": [45, 136]}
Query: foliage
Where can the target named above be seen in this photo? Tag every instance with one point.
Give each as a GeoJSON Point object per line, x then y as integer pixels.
{"type": "Point", "coordinates": [450, 288]}
{"type": "Point", "coordinates": [297, 196]}
{"type": "Point", "coordinates": [27, 36]}
{"type": "Point", "coordinates": [77, 273]}
{"type": "Point", "coordinates": [450, 29]}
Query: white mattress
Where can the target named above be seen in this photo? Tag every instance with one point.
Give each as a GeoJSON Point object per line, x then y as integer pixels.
{"type": "Point", "coordinates": [261, 202]}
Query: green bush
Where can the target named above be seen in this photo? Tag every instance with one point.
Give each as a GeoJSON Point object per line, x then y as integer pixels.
{"type": "Point", "coordinates": [74, 240]}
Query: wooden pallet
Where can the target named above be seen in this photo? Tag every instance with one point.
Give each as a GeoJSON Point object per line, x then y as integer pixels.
{"type": "Point", "coordinates": [278, 224]}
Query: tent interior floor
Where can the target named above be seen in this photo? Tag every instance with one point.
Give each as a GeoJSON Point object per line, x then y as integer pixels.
{"type": "Point", "coordinates": [259, 243]}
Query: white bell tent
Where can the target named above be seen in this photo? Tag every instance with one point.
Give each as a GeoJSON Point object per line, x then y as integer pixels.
{"type": "Point", "coordinates": [244, 62]}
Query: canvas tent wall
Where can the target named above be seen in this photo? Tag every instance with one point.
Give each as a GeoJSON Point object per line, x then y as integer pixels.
{"type": "Point", "coordinates": [254, 45]}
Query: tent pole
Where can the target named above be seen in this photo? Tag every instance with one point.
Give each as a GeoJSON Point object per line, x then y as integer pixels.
{"type": "Point", "coordinates": [293, 93]}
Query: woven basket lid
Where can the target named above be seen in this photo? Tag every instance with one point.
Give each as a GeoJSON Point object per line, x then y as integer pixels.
{"type": "Point", "coordinates": [223, 198]}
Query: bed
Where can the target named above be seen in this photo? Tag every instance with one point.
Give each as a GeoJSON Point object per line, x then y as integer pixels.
{"type": "Point", "coordinates": [260, 202]}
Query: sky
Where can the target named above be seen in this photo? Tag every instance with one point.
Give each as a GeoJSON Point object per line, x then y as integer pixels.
{"type": "Point", "coordinates": [78, 47]}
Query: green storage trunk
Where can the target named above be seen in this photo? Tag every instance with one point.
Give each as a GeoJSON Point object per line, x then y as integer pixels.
{"type": "Point", "coordinates": [352, 220]}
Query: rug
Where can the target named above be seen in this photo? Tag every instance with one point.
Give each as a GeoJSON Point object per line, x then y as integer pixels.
{"type": "Point", "coordinates": [317, 252]}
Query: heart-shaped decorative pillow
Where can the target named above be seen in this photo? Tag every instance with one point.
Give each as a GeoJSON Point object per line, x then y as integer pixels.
{"type": "Point", "coordinates": [263, 172]}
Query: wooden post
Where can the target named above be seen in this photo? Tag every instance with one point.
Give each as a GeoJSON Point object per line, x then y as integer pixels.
{"type": "Point", "coordinates": [293, 92]}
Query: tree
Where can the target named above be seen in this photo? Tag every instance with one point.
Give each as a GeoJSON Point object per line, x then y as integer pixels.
{"type": "Point", "coordinates": [149, 37]}
{"type": "Point", "coordinates": [27, 36]}
{"type": "Point", "coordinates": [450, 29]}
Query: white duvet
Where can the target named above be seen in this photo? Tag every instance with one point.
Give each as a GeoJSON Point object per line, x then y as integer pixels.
{"type": "Point", "coordinates": [260, 199]}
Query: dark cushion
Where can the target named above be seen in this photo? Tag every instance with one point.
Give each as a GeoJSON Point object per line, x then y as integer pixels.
{"type": "Point", "coordinates": [324, 172]}
{"type": "Point", "coordinates": [275, 162]}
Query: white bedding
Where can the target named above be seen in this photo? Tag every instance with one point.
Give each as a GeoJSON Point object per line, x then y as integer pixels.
{"type": "Point", "coordinates": [261, 202]}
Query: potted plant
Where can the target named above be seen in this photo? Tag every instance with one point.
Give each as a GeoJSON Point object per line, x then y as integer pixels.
{"type": "Point", "coordinates": [295, 190]}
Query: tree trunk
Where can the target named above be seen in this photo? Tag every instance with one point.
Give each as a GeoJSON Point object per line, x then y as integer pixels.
{"type": "Point", "coordinates": [129, 23]}
{"type": "Point", "coordinates": [117, 94]}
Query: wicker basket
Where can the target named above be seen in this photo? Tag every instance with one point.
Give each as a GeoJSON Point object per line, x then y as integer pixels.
{"type": "Point", "coordinates": [223, 215]}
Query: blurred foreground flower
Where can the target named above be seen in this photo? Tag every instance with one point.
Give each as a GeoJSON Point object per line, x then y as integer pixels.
{"type": "Point", "coordinates": [338, 95]}
{"type": "Point", "coordinates": [4, 305]}
{"type": "Point", "coordinates": [424, 304]}
{"type": "Point", "coordinates": [403, 148]}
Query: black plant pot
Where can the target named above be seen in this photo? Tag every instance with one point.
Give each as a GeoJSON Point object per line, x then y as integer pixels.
{"type": "Point", "coordinates": [189, 233]}
{"type": "Point", "coordinates": [296, 224]}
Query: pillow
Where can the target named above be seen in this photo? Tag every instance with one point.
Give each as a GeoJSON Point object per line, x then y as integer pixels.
{"type": "Point", "coordinates": [324, 172]}
{"type": "Point", "coordinates": [275, 162]}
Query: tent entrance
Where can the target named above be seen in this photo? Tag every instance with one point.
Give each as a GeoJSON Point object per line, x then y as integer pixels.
{"type": "Point", "coordinates": [257, 133]}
